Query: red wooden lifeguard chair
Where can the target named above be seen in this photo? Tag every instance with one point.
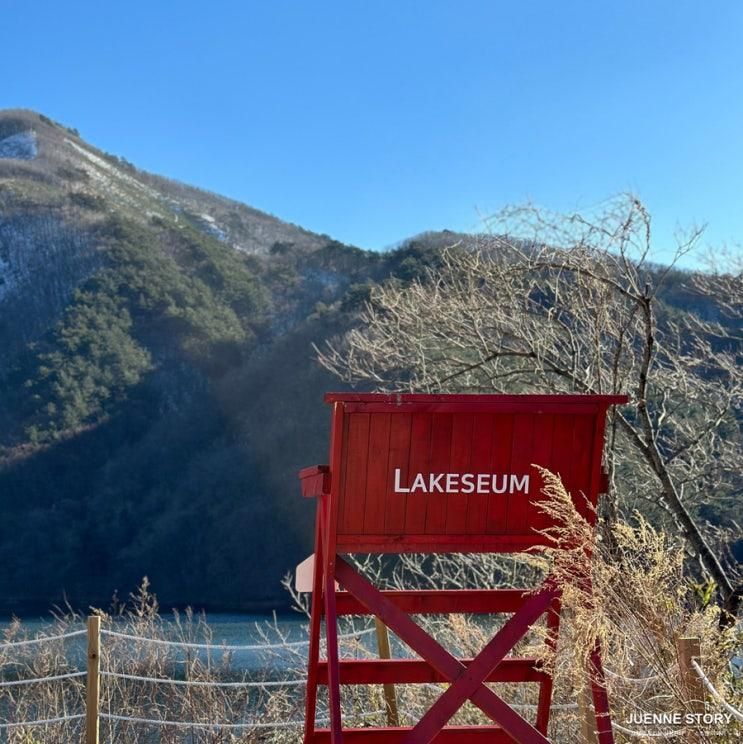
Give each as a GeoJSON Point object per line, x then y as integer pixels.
{"type": "Point", "coordinates": [444, 474]}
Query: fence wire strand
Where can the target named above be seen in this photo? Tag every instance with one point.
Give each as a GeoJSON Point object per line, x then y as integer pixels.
{"type": "Point", "coordinates": [202, 683]}
{"type": "Point", "coordinates": [42, 639]}
{"type": "Point", "coordinates": [634, 680]}
{"type": "Point", "coordinates": [225, 647]}
{"type": "Point", "coordinates": [35, 680]}
{"type": "Point", "coordinates": [715, 694]}
{"type": "Point", "coordinates": [201, 725]}
{"type": "Point", "coordinates": [42, 721]}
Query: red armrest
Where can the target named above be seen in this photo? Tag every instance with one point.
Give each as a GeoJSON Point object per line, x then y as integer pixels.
{"type": "Point", "coordinates": [315, 481]}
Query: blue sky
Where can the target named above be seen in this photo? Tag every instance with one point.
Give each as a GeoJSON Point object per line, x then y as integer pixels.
{"type": "Point", "coordinates": [372, 121]}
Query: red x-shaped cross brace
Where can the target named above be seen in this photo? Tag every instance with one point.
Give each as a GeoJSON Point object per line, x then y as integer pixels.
{"type": "Point", "coordinates": [467, 682]}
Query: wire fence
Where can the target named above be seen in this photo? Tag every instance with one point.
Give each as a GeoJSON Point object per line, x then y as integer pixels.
{"type": "Point", "coordinates": [143, 720]}
{"type": "Point", "coordinates": [225, 647]}
{"type": "Point", "coordinates": [94, 673]}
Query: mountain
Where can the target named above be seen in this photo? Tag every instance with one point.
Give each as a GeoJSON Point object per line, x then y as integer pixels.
{"type": "Point", "coordinates": [158, 391]}
{"type": "Point", "coordinates": [158, 388]}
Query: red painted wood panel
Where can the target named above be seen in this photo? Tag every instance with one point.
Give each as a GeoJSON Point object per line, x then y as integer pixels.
{"type": "Point", "coordinates": [462, 449]}
{"type": "Point", "coordinates": [581, 475]}
{"type": "Point", "coordinates": [377, 480]}
{"type": "Point", "coordinates": [411, 473]}
{"type": "Point", "coordinates": [351, 518]}
{"type": "Point", "coordinates": [482, 443]}
{"type": "Point", "coordinates": [441, 443]}
{"type": "Point", "coordinates": [400, 429]}
{"type": "Point", "coordinates": [541, 455]}
{"type": "Point", "coordinates": [521, 461]}
{"type": "Point", "coordinates": [562, 449]}
{"type": "Point", "coordinates": [500, 462]}
{"type": "Point", "coordinates": [419, 461]}
{"type": "Point", "coordinates": [341, 467]}
{"type": "Point", "coordinates": [559, 459]}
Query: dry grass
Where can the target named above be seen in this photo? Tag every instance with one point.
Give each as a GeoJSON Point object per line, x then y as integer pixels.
{"type": "Point", "coordinates": [261, 703]}
{"type": "Point", "coordinates": [641, 602]}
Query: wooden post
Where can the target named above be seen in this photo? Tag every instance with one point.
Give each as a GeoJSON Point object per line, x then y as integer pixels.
{"type": "Point", "coordinates": [688, 649]}
{"type": "Point", "coordinates": [587, 716]}
{"type": "Point", "coordinates": [390, 698]}
{"type": "Point", "coordinates": [93, 684]}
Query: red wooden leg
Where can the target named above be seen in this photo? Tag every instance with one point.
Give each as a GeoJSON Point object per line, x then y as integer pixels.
{"type": "Point", "coordinates": [331, 632]}
{"type": "Point", "coordinates": [600, 698]}
{"type": "Point", "coordinates": [604, 731]}
{"type": "Point", "coordinates": [545, 688]}
{"type": "Point", "coordinates": [310, 703]}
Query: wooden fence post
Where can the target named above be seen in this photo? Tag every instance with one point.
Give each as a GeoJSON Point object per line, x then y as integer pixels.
{"type": "Point", "coordinates": [586, 715]}
{"type": "Point", "coordinates": [93, 682]}
{"type": "Point", "coordinates": [688, 649]}
{"type": "Point", "coordinates": [390, 698]}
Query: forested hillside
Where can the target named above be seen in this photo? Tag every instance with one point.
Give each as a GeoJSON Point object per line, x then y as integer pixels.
{"type": "Point", "coordinates": [159, 392]}
{"type": "Point", "coordinates": [158, 385]}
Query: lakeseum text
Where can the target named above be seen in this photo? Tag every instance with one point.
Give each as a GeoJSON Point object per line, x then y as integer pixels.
{"type": "Point", "coordinates": [463, 483]}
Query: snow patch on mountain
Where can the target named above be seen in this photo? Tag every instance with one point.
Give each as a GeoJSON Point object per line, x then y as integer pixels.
{"type": "Point", "coordinates": [113, 181]}
{"type": "Point", "coordinates": [209, 224]}
{"type": "Point", "coordinates": [19, 146]}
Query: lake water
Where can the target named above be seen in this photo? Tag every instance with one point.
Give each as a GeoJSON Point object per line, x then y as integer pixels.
{"type": "Point", "coordinates": [232, 629]}
{"type": "Point", "coordinates": [268, 632]}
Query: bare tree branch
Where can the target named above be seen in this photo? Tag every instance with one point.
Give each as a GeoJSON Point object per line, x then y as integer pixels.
{"type": "Point", "coordinates": [564, 304]}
